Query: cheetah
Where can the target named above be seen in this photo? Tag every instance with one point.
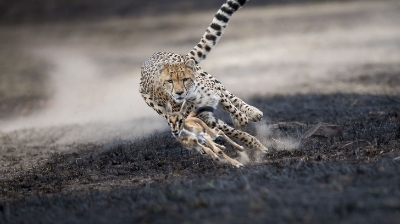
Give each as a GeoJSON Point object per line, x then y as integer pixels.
{"type": "Point", "coordinates": [193, 133]}
{"type": "Point", "coordinates": [174, 78]}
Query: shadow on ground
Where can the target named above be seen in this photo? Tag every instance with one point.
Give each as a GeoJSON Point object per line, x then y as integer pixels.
{"type": "Point", "coordinates": [350, 178]}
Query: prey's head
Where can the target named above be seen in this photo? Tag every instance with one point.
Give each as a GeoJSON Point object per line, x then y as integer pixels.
{"type": "Point", "coordinates": [176, 119]}
{"type": "Point", "coordinates": [175, 122]}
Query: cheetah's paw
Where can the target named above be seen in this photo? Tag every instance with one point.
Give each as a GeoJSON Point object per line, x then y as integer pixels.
{"type": "Point", "coordinates": [254, 114]}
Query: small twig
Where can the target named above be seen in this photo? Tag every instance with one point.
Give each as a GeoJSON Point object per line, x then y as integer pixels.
{"type": "Point", "coordinates": [357, 141]}
{"type": "Point", "coordinates": [280, 142]}
{"type": "Point", "coordinates": [346, 145]}
{"type": "Point", "coordinates": [285, 124]}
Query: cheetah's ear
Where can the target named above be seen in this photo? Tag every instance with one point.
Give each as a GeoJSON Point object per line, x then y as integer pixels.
{"type": "Point", "coordinates": [190, 63]}
{"type": "Point", "coordinates": [168, 108]}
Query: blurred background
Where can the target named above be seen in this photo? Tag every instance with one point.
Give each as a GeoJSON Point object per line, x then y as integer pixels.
{"type": "Point", "coordinates": [69, 70]}
{"type": "Point", "coordinates": [59, 10]}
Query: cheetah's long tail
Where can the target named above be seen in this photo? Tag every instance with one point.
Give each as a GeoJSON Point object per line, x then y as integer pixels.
{"type": "Point", "coordinates": [215, 29]}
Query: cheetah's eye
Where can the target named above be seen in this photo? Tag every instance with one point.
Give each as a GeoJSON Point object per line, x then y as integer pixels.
{"type": "Point", "coordinates": [169, 81]}
{"type": "Point", "coordinates": [185, 79]}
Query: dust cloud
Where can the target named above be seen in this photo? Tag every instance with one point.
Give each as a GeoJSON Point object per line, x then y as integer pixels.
{"type": "Point", "coordinates": [95, 106]}
{"type": "Point", "coordinates": [274, 139]}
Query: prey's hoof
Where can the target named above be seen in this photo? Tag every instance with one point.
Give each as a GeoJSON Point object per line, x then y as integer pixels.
{"type": "Point", "coordinates": [240, 148]}
{"type": "Point", "coordinates": [238, 165]}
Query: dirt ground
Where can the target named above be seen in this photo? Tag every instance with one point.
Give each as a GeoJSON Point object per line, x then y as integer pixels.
{"type": "Point", "coordinates": [78, 144]}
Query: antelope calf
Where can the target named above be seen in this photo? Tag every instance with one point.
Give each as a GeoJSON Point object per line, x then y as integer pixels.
{"type": "Point", "coordinates": [195, 135]}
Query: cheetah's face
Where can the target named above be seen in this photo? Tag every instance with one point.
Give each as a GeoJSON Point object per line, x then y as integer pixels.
{"type": "Point", "coordinates": [178, 80]}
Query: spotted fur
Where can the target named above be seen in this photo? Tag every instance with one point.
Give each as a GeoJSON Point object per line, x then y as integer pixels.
{"type": "Point", "coordinates": [174, 78]}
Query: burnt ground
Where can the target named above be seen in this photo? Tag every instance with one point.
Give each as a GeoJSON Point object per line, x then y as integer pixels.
{"type": "Point", "coordinates": [353, 178]}
{"type": "Point", "coordinates": [339, 70]}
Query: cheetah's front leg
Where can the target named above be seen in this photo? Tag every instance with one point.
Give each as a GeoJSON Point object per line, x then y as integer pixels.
{"type": "Point", "coordinates": [238, 117]}
{"type": "Point", "coordinates": [251, 112]}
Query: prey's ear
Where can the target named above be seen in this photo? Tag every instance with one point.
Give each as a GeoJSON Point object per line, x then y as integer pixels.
{"type": "Point", "coordinates": [190, 64]}
{"type": "Point", "coordinates": [168, 108]}
{"type": "Point", "coordinates": [183, 107]}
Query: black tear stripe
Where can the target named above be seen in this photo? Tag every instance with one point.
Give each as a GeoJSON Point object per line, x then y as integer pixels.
{"type": "Point", "coordinates": [215, 30]}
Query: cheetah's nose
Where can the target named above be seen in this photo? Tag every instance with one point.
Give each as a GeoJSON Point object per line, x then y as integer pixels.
{"type": "Point", "coordinates": [179, 92]}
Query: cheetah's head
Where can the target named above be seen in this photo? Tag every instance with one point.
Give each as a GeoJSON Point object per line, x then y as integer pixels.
{"type": "Point", "coordinates": [177, 79]}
